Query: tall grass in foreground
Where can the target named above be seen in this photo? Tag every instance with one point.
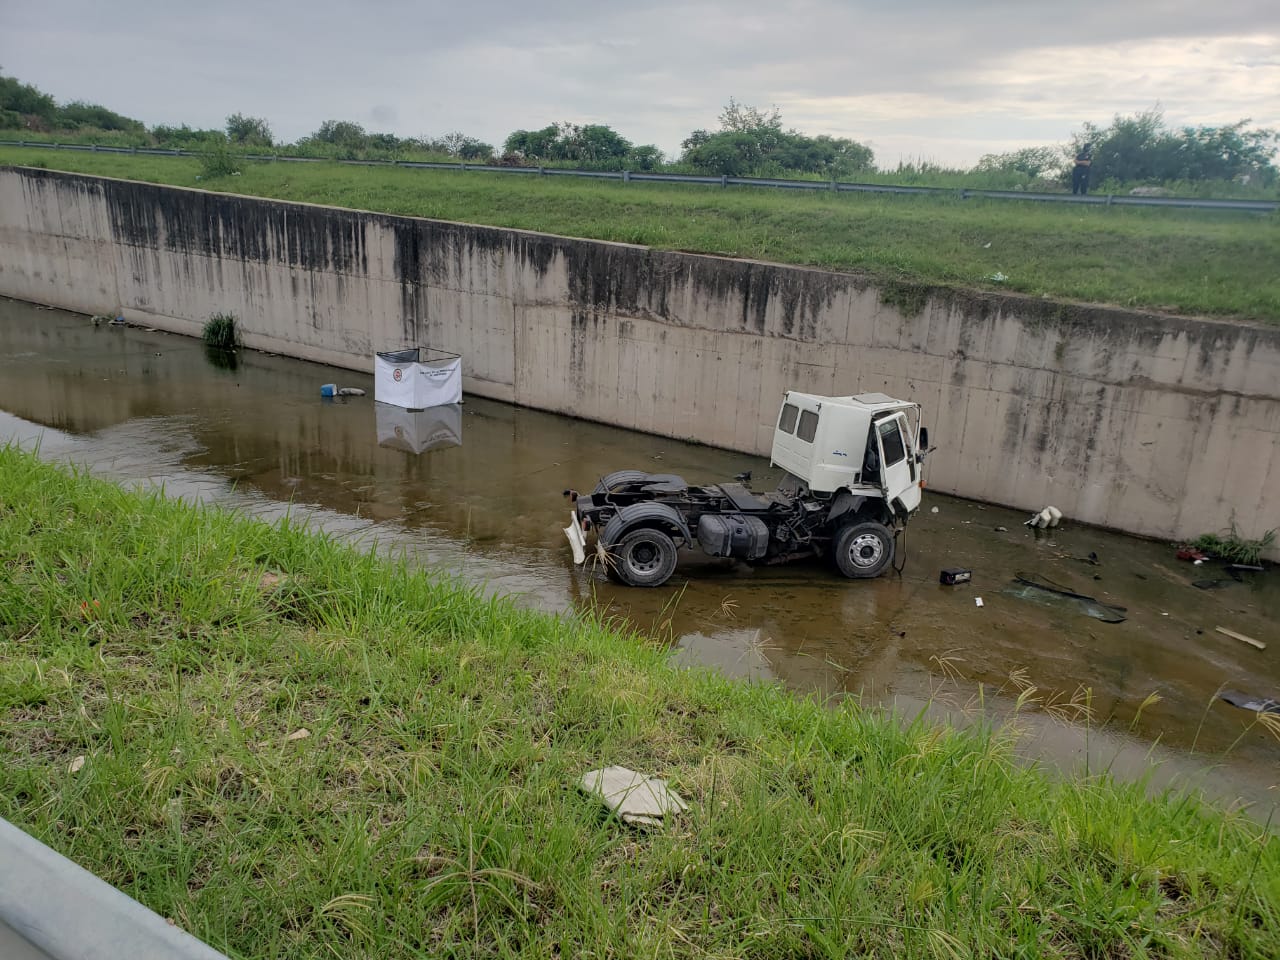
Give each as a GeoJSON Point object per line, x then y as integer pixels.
{"type": "Point", "coordinates": [159, 665]}
{"type": "Point", "coordinates": [1187, 261]}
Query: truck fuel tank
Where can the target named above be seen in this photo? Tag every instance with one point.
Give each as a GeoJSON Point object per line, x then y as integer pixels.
{"type": "Point", "coordinates": [733, 535]}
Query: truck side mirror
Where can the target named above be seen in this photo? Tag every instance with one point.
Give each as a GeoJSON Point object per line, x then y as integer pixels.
{"type": "Point", "coordinates": [924, 439]}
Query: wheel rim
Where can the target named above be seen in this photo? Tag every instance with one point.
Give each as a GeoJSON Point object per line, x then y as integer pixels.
{"type": "Point", "coordinates": [644, 557]}
{"type": "Point", "coordinates": [866, 550]}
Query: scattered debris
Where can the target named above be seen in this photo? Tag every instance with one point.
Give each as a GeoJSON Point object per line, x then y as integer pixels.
{"type": "Point", "coordinates": [953, 575]}
{"type": "Point", "coordinates": [635, 798]}
{"type": "Point", "coordinates": [1246, 702]}
{"type": "Point", "coordinates": [1191, 553]}
{"type": "Point", "coordinates": [328, 389]}
{"type": "Point", "coordinates": [1091, 559]}
{"type": "Point", "coordinates": [75, 765]}
{"type": "Point", "coordinates": [997, 277]}
{"type": "Point", "coordinates": [1214, 584]}
{"type": "Point", "coordinates": [350, 392]}
{"type": "Point", "coordinates": [1030, 586]}
{"type": "Point", "coordinates": [1048, 517]}
{"type": "Point", "coordinates": [934, 510]}
{"type": "Point", "coordinates": [300, 734]}
{"type": "Point", "coordinates": [1002, 529]}
{"type": "Point", "coordinates": [977, 601]}
{"type": "Point", "coordinates": [1241, 637]}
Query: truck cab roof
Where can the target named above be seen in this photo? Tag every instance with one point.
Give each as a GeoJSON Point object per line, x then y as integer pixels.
{"type": "Point", "coordinates": [872, 403]}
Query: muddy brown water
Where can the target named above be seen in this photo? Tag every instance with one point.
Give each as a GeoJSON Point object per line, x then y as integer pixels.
{"type": "Point", "coordinates": [139, 405]}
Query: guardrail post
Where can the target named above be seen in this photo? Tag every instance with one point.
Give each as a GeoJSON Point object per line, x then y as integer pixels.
{"type": "Point", "coordinates": [724, 180]}
{"type": "Point", "coordinates": [540, 170]}
{"type": "Point", "coordinates": [1108, 199]}
{"type": "Point", "coordinates": [93, 147]}
{"type": "Point", "coordinates": [626, 176]}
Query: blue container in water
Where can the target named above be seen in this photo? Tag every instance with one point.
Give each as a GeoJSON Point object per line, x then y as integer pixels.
{"type": "Point", "coordinates": [329, 390]}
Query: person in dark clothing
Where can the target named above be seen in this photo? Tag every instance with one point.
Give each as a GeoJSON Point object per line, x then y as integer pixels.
{"type": "Point", "coordinates": [1080, 172]}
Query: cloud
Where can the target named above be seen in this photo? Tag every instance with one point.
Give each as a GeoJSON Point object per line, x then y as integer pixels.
{"type": "Point", "coordinates": [916, 78]}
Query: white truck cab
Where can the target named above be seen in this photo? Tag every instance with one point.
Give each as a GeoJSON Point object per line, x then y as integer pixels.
{"type": "Point", "coordinates": [869, 444]}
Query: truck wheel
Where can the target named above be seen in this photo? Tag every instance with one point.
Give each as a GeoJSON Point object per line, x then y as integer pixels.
{"type": "Point", "coordinates": [863, 550]}
{"type": "Point", "coordinates": [644, 558]}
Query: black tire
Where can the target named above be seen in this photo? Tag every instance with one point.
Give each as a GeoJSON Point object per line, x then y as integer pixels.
{"type": "Point", "coordinates": [643, 558]}
{"type": "Point", "coordinates": [863, 550]}
{"type": "Point", "coordinates": [611, 483]}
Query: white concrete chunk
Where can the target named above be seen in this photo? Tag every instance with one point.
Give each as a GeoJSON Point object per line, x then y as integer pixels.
{"type": "Point", "coordinates": [635, 798]}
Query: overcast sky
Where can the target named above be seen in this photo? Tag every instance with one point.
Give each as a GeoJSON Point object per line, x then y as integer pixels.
{"type": "Point", "coordinates": [915, 79]}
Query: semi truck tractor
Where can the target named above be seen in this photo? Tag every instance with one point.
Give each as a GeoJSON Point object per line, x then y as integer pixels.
{"type": "Point", "coordinates": [852, 477]}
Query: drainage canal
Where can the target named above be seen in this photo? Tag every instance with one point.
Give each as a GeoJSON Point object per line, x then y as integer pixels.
{"type": "Point", "coordinates": [136, 405]}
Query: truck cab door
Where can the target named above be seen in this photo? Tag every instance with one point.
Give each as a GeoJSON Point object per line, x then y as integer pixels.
{"type": "Point", "coordinates": [898, 467]}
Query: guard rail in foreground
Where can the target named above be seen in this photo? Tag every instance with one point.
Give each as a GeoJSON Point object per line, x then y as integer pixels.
{"type": "Point", "coordinates": [52, 909]}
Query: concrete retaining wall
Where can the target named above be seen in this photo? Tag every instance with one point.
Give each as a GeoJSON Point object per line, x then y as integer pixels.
{"type": "Point", "coordinates": [1161, 426]}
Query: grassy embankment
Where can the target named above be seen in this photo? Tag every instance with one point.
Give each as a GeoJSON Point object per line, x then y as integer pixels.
{"type": "Point", "coordinates": [431, 809]}
{"type": "Point", "coordinates": [1182, 261]}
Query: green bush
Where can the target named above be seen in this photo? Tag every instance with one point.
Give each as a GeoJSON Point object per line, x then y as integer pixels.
{"type": "Point", "coordinates": [221, 332]}
{"type": "Point", "coordinates": [218, 162]}
{"type": "Point", "coordinates": [1234, 548]}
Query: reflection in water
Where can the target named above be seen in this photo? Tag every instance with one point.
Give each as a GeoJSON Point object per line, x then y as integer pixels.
{"type": "Point", "coordinates": [417, 431]}
{"type": "Point", "coordinates": [139, 405]}
{"type": "Point", "coordinates": [220, 358]}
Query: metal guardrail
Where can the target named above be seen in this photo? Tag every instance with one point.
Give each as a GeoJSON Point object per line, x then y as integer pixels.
{"type": "Point", "coordinates": [53, 909]}
{"type": "Point", "coordinates": [629, 176]}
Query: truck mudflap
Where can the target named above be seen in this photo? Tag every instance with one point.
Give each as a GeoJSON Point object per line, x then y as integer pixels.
{"type": "Point", "coordinates": [577, 539]}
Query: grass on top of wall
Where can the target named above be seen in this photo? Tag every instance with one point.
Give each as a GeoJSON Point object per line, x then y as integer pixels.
{"type": "Point", "coordinates": [294, 749]}
{"type": "Point", "coordinates": [1179, 261]}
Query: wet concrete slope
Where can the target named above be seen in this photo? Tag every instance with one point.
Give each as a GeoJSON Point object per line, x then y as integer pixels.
{"type": "Point", "coordinates": [1155, 425]}
{"type": "Point", "coordinates": [151, 407]}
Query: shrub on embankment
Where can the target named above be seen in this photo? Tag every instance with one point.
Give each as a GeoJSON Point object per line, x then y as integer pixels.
{"type": "Point", "coordinates": [159, 664]}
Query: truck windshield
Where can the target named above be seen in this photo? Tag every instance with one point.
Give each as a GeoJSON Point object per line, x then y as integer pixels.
{"type": "Point", "coordinates": [891, 440]}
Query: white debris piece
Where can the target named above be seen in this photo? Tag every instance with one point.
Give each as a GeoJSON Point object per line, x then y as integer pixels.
{"type": "Point", "coordinates": [1048, 517]}
{"type": "Point", "coordinates": [635, 798]}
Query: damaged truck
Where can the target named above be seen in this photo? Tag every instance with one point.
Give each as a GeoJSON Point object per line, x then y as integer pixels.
{"type": "Point", "coordinates": [852, 478]}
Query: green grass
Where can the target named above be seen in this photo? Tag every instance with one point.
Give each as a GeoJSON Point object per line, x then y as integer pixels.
{"type": "Point", "coordinates": [1180, 261]}
{"type": "Point", "coordinates": [1234, 548]}
{"type": "Point", "coordinates": [221, 332]}
{"type": "Point", "coordinates": [431, 809]}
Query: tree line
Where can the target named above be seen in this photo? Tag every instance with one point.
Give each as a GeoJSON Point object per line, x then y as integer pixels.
{"type": "Point", "coordinates": [748, 142]}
